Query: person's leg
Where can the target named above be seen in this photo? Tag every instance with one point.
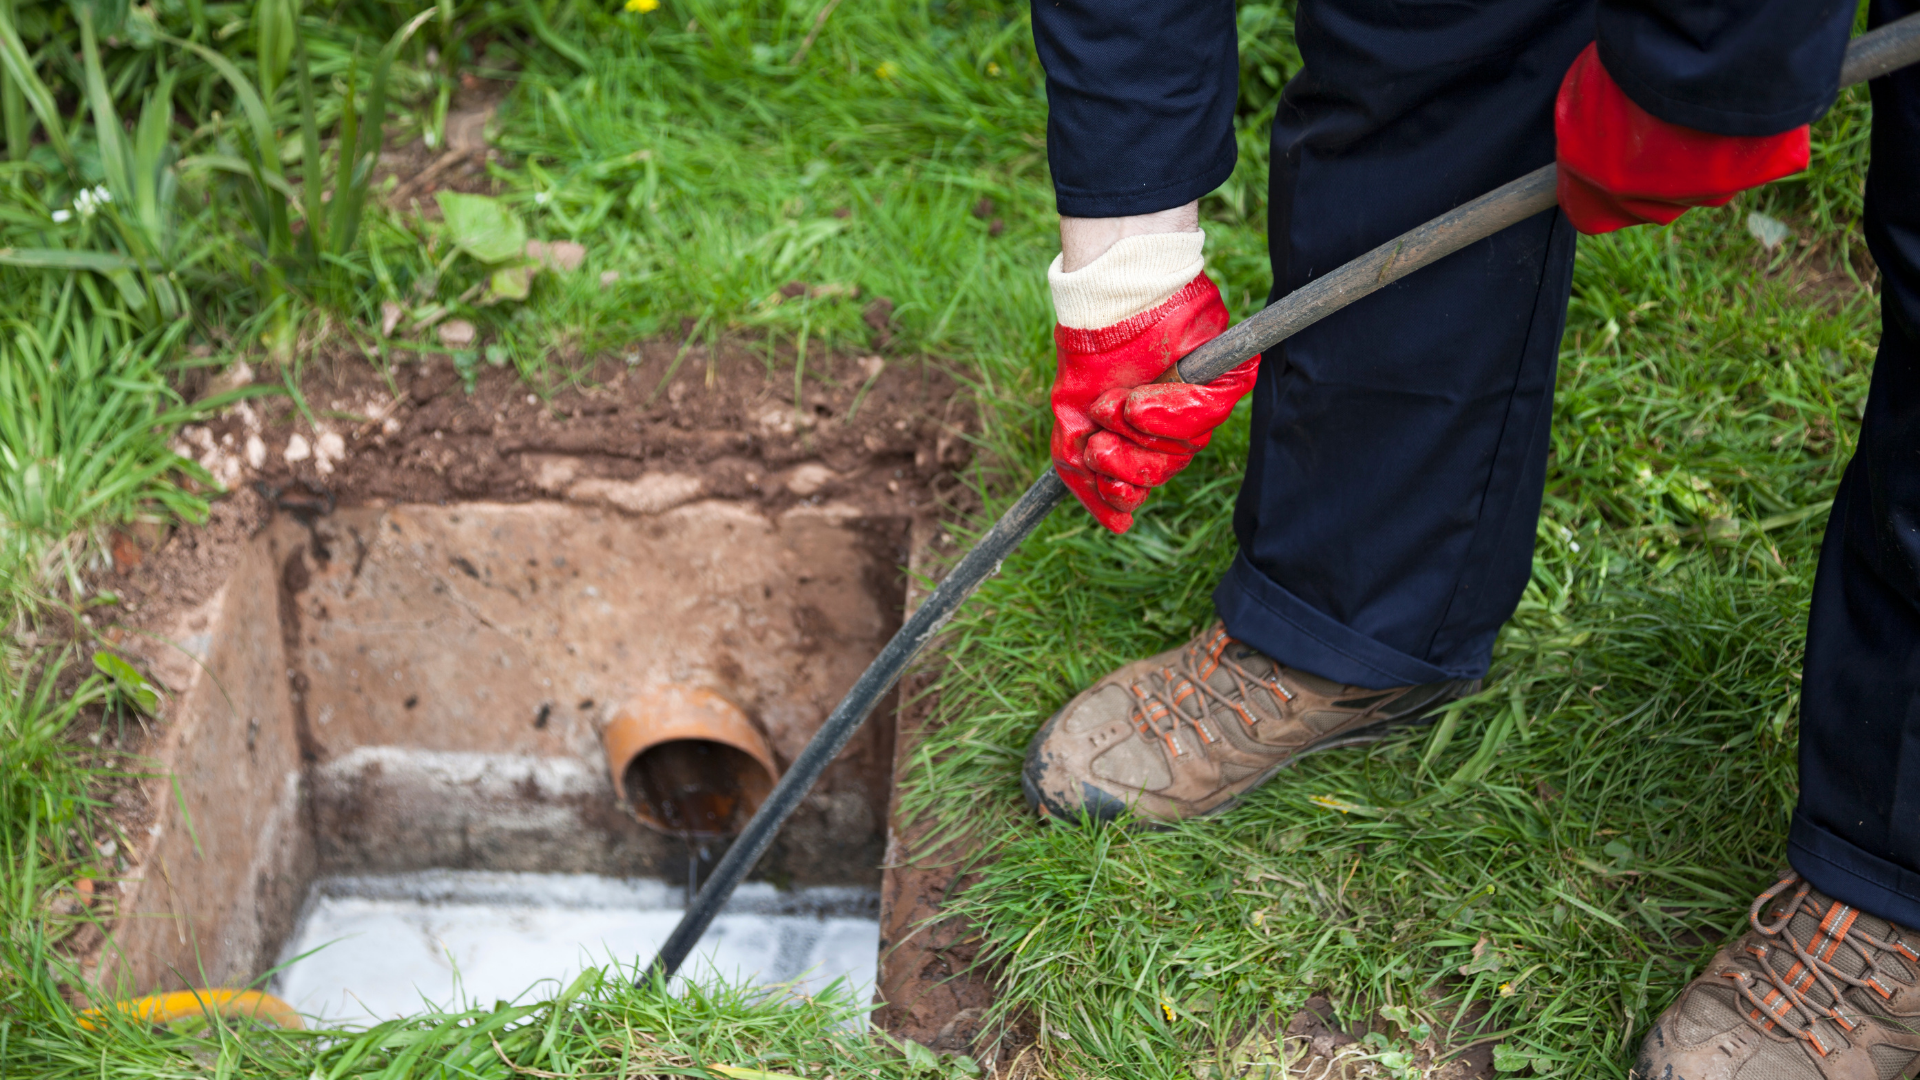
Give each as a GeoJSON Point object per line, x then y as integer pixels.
{"type": "Point", "coordinates": [1856, 832]}
{"type": "Point", "coordinates": [1387, 518]}
{"type": "Point", "coordinates": [1839, 933]}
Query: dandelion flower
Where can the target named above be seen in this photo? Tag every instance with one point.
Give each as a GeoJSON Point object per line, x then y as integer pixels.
{"type": "Point", "coordinates": [641, 7]}
{"type": "Point", "coordinates": [993, 69]}
{"type": "Point", "coordinates": [887, 70]}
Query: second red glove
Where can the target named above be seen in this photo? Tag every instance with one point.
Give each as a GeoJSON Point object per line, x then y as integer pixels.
{"type": "Point", "coordinates": [1117, 433]}
{"type": "Point", "coordinates": [1620, 165]}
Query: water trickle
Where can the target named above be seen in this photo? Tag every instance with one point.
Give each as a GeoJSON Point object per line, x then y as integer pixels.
{"type": "Point", "coordinates": [697, 854]}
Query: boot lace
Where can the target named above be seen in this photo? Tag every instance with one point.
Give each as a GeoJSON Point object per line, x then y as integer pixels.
{"type": "Point", "coordinates": [1162, 700]}
{"type": "Point", "coordinates": [1782, 999]}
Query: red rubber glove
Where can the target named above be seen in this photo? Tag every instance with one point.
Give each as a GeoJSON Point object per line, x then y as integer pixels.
{"type": "Point", "coordinates": [1117, 433]}
{"type": "Point", "coordinates": [1621, 165]}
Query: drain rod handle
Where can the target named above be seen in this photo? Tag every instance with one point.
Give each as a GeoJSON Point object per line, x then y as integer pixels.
{"type": "Point", "coordinates": [1869, 56]}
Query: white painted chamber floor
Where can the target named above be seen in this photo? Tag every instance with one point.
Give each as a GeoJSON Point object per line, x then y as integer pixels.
{"type": "Point", "coordinates": [400, 944]}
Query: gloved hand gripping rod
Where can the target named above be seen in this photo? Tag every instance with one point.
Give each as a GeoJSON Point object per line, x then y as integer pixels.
{"type": "Point", "coordinates": [1869, 56]}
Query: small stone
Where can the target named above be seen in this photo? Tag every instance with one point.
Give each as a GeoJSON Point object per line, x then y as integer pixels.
{"type": "Point", "coordinates": [562, 255]}
{"type": "Point", "coordinates": [235, 377]}
{"type": "Point", "coordinates": [256, 452]}
{"type": "Point", "coordinates": [327, 449]}
{"type": "Point", "coordinates": [298, 449]}
{"type": "Point", "coordinates": [607, 279]}
{"type": "Point", "coordinates": [652, 493]}
{"type": "Point", "coordinates": [554, 474]}
{"type": "Point", "coordinates": [456, 333]}
{"type": "Point", "coordinates": [776, 420]}
{"type": "Point", "coordinates": [126, 553]}
{"type": "Point", "coordinates": [808, 479]}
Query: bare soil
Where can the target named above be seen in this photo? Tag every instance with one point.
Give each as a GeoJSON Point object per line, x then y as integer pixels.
{"type": "Point", "coordinates": [722, 427]}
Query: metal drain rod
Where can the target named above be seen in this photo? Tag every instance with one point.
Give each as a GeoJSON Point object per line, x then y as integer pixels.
{"type": "Point", "coordinates": [1869, 56]}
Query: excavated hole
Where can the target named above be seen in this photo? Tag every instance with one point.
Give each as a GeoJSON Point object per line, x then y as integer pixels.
{"type": "Point", "coordinates": [395, 753]}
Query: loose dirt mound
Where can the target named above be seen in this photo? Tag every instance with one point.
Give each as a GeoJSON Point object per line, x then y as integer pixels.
{"type": "Point", "coordinates": [886, 435]}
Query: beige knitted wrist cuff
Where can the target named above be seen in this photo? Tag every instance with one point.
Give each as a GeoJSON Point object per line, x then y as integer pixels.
{"type": "Point", "coordinates": [1137, 274]}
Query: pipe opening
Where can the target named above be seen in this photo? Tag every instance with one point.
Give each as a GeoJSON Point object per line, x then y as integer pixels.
{"type": "Point", "coordinates": [688, 762]}
{"type": "Point", "coordinates": [696, 787]}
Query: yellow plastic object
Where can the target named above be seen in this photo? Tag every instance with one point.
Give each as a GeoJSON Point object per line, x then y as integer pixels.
{"type": "Point", "coordinates": [161, 1008]}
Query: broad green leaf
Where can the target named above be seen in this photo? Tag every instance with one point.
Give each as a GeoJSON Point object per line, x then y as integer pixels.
{"type": "Point", "coordinates": [510, 283]}
{"type": "Point", "coordinates": [1510, 1059]}
{"type": "Point", "coordinates": [483, 227]}
{"type": "Point", "coordinates": [128, 681]}
{"type": "Point", "coordinates": [105, 262]}
{"type": "Point", "coordinates": [919, 1058]}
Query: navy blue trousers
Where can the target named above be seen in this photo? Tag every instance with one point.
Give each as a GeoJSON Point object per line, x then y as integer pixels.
{"type": "Point", "coordinates": [1856, 832]}
{"type": "Point", "coordinates": [1387, 519]}
{"type": "Point", "coordinates": [1399, 450]}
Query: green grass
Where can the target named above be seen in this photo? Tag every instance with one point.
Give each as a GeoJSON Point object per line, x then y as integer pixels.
{"type": "Point", "coordinates": [1576, 839]}
{"type": "Point", "coordinates": [1558, 854]}
{"type": "Point", "coordinates": [597, 1026]}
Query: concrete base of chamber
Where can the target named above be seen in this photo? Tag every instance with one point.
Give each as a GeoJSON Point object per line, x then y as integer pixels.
{"type": "Point", "coordinates": [372, 948]}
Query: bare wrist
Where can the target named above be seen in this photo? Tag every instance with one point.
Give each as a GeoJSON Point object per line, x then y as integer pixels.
{"type": "Point", "coordinates": [1082, 240]}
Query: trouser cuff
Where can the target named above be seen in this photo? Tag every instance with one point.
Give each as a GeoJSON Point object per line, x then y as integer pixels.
{"type": "Point", "coordinates": [1851, 875]}
{"type": "Point", "coordinates": [1262, 613]}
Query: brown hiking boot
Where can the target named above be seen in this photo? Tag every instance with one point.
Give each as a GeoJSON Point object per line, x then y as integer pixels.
{"type": "Point", "coordinates": [1816, 990]}
{"type": "Point", "coordinates": [1188, 732]}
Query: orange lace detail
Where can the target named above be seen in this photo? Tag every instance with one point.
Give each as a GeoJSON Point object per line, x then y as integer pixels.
{"type": "Point", "coordinates": [1159, 710]}
{"type": "Point", "coordinates": [1784, 1002]}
